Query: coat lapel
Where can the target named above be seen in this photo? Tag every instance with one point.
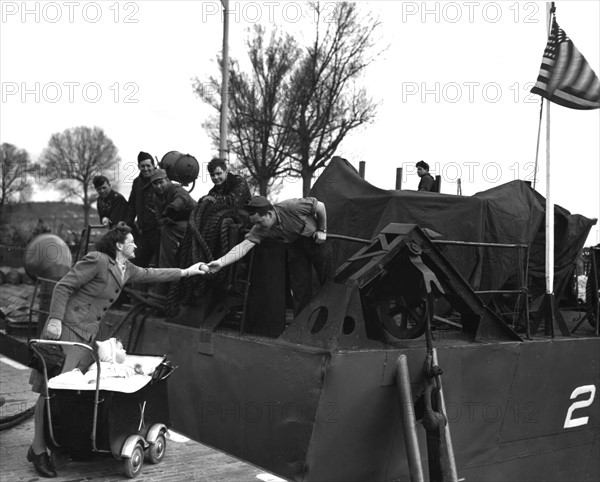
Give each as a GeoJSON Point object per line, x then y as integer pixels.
{"type": "Point", "coordinates": [114, 270]}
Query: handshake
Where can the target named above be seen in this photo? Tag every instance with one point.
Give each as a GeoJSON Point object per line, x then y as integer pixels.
{"type": "Point", "coordinates": [201, 269]}
{"type": "Point", "coordinates": [195, 269]}
{"type": "Point", "coordinates": [210, 268]}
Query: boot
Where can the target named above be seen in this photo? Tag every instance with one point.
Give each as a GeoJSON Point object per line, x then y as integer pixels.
{"type": "Point", "coordinates": [41, 463]}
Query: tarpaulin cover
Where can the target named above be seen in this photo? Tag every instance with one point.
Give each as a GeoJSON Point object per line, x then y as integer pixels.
{"type": "Point", "coordinates": [511, 213]}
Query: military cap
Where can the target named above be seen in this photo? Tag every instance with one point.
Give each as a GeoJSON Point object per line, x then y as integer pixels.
{"type": "Point", "coordinates": [257, 203]}
{"type": "Point", "coordinates": [158, 174]}
{"type": "Point", "coordinates": [142, 156]}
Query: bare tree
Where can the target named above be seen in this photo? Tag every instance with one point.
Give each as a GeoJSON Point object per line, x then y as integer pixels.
{"type": "Point", "coordinates": [74, 157]}
{"type": "Point", "coordinates": [328, 102]}
{"type": "Point", "coordinates": [291, 114]}
{"type": "Point", "coordinates": [259, 109]}
{"type": "Point", "coordinates": [15, 185]}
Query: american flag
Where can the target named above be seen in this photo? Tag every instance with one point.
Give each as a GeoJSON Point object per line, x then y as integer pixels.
{"type": "Point", "coordinates": [565, 77]}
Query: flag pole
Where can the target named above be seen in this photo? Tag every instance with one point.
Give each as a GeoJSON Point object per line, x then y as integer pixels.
{"type": "Point", "coordinates": [223, 148]}
{"type": "Point", "coordinates": [565, 78]}
{"type": "Point", "coordinates": [548, 308]}
{"type": "Point", "coordinates": [549, 204]}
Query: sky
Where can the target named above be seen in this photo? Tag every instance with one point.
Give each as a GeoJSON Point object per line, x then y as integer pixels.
{"type": "Point", "coordinates": [452, 84]}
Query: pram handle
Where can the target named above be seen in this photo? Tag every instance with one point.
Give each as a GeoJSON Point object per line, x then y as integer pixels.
{"type": "Point", "coordinates": [35, 341]}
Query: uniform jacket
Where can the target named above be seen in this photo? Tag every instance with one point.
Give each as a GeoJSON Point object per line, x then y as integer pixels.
{"type": "Point", "coordinates": [82, 297]}
{"type": "Point", "coordinates": [175, 203]}
{"type": "Point", "coordinates": [296, 218]}
{"type": "Point", "coordinates": [113, 207]}
{"type": "Point", "coordinates": [233, 192]}
{"type": "Point", "coordinates": [427, 183]}
{"type": "Point", "coordinates": [140, 205]}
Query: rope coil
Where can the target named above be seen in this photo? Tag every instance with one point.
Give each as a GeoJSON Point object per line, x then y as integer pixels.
{"type": "Point", "coordinates": [205, 239]}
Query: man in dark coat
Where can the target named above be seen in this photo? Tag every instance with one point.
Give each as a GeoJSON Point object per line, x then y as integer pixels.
{"type": "Point", "coordinates": [229, 189]}
{"type": "Point", "coordinates": [140, 209]}
{"type": "Point", "coordinates": [111, 205]}
{"type": "Point", "coordinates": [427, 182]}
{"type": "Point", "coordinates": [173, 205]}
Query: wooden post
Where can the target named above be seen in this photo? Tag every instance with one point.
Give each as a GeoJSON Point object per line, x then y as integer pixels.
{"type": "Point", "coordinates": [361, 169]}
{"type": "Point", "coordinates": [399, 178]}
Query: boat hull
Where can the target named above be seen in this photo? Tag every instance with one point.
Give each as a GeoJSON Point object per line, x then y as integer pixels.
{"type": "Point", "coordinates": [516, 410]}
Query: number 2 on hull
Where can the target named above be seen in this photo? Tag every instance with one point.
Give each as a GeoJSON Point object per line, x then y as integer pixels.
{"type": "Point", "coordinates": [576, 422]}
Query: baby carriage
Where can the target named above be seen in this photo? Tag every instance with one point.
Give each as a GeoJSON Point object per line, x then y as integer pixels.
{"type": "Point", "coordinates": [123, 417]}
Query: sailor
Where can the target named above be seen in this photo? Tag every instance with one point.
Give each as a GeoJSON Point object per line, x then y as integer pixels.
{"type": "Point", "coordinates": [427, 182]}
{"type": "Point", "coordinates": [173, 205]}
{"type": "Point", "coordinates": [299, 223]}
{"type": "Point", "coordinates": [229, 189]}
{"type": "Point", "coordinates": [111, 205]}
{"type": "Point", "coordinates": [140, 209]}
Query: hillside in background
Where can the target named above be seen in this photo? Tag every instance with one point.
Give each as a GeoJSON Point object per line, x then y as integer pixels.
{"type": "Point", "coordinates": [19, 221]}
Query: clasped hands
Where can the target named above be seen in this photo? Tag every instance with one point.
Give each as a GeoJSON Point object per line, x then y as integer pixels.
{"type": "Point", "coordinates": [196, 269]}
{"type": "Point", "coordinates": [212, 267]}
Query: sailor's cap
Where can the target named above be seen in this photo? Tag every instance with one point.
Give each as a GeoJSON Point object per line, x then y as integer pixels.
{"type": "Point", "coordinates": [256, 204]}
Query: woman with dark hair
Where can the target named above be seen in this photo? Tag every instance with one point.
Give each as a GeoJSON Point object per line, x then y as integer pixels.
{"type": "Point", "coordinates": [79, 302]}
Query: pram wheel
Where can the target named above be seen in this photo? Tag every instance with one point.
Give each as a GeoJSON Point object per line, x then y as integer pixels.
{"type": "Point", "coordinates": [133, 465]}
{"type": "Point", "coordinates": [156, 451]}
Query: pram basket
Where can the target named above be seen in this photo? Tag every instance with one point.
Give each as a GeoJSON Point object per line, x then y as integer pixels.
{"type": "Point", "coordinates": [127, 417]}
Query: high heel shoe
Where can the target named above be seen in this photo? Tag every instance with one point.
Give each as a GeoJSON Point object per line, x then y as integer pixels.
{"type": "Point", "coordinates": [41, 463]}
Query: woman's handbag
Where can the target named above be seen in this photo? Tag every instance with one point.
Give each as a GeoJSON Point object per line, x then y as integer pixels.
{"type": "Point", "coordinates": [53, 356]}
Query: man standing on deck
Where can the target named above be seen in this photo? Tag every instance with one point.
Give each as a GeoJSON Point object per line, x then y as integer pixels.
{"type": "Point", "coordinates": [427, 182]}
{"type": "Point", "coordinates": [140, 207]}
{"type": "Point", "coordinates": [173, 205]}
{"type": "Point", "coordinates": [300, 223]}
{"type": "Point", "coordinates": [229, 189]}
{"type": "Point", "coordinates": [111, 205]}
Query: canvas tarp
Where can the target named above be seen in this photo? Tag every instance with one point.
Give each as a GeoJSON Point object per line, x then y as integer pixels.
{"type": "Point", "coordinates": [511, 213]}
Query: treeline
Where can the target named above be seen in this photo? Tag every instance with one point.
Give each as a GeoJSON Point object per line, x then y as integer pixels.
{"type": "Point", "coordinates": [21, 222]}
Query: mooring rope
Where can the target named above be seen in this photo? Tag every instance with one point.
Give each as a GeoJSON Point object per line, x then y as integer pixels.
{"type": "Point", "coordinates": [205, 239]}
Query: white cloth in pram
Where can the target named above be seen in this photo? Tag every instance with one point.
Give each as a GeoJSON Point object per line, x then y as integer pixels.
{"type": "Point", "coordinates": [76, 380]}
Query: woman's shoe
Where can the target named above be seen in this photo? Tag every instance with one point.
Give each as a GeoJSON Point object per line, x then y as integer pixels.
{"type": "Point", "coordinates": [41, 463]}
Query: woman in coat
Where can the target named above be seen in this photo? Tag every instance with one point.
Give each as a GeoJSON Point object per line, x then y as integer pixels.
{"type": "Point", "coordinates": [79, 302]}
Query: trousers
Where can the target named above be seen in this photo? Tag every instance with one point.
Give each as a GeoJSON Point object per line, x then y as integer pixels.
{"type": "Point", "coordinates": [304, 255]}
